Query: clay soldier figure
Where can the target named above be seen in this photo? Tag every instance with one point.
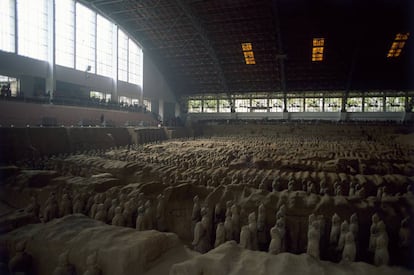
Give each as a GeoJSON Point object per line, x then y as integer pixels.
{"type": "Point", "coordinates": [343, 232]}
{"type": "Point", "coordinates": [78, 204]}
{"type": "Point", "coordinates": [335, 229]}
{"type": "Point", "coordinates": [33, 208]}
{"type": "Point", "coordinates": [160, 213]}
{"type": "Point", "coordinates": [253, 231]}
{"type": "Point", "coordinates": [201, 240]}
{"type": "Point", "coordinates": [235, 220]}
{"type": "Point", "coordinates": [118, 219]}
{"type": "Point", "coordinates": [111, 212]}
{"type": "Point", "coordinates": [92, 267]}
{"type": "Point", "coordinates": [373, 232]}
{"type": "Point", "coordinates": [245, 237]}
{"type": "Point", "coordinates": [149, 216]}
{"type": "Point", "coordinates": [313, 240]}
{"type": "Point", "coordinates": [101, 213]}
{"type": "Point", "coordinates": [381, 255]}
{"type": "Point", "coordinates": [228, 227]}
{"type": "Point", "coordinates": [21, 263]}
{"type": "Point", "coordinates": [140, 222]}
{"type": "Point", "coordinates": [65, 206]}
{"type": "Point", "coordinates": [196, 215]}
{"type": "Point", "coordinates": [51, 210]}
{"type": "Point", "coordinates": [220, 235]}
{"type": "Point", "coordinates": [349, 252]}
{"type": "Point", "coordinates": [404, 233]}
{"type": "Point", "coordinates": [275, 246]}
{"type": "Point", "coordinates": [64, 267]}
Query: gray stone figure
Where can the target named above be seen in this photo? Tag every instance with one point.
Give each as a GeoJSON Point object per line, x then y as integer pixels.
{"type": "Point", "coordinates": [21, 262]}
{"type": "Point", "coordinates": [160, 213]}
{"type": "Point", "coordinates": [404, 233]}
{"type": "Point", "coordinates": [111, 211]}
{"type": "Point", "coordinates": [313, 240]}
{"type": "Point", "coordinates": [33, 208]}
{"type": "Point", "coordinates": [201, 241]}
{"type": "Point", "coordinates": [354, 226]}
{"type": "Point", "coordinates": [149, 215]}
{"type": "Point", "coordinates": [349, 252]}
{"type": "Point", "coordinates": [381, 255]}
{"type": "Point", "coordinates": [228, 227]}
{"type": "Point", "coordinates": [253, 231]}
{"type": "Point", "coordinates": [220, 235]}
{"type": "Point", "coordinates": [64, 267]}
{"type": "Point", "coordinates": [196, 215]}
{"type": "Point", "coordinates": [140, 222]}
{"type": "Point", "coordinates": [261, 217]}
{"type": "Point", "coordinates": [235, 220]}
{"type": "Point", "coordinates": [51, 210]}
{"type": "Point", "coordinates": [343, 231]}
{"type": "Point", "coordinates": [92, 267]}
{"type": "Point", "coordinates": [275, 246]}
{"type": "Point", "coordinates": [118, 219]}
{"type": "Point", "coordinates": [101, 213]}
{"type": "Point", "coordinates": [245, 237]}
{"type": "Point", "coordinates": [373, 232]}
{"type": "Point", "coordinates": [335, 229]}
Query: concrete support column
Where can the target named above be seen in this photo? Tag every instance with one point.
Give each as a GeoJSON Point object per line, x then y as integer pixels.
{"type": "Point", "coordinates": [50, 79]}
{"type": "Point", "coordinates": [161, 109]}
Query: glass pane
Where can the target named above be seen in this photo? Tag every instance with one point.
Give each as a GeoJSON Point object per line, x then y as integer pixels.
{"type": "Point", "coordinates": [65, 32]}
{"type": "Point", "coordinates": [373, 104]}
{"type": "Point", "coordinates": [194, 106]}
{"type": "Point", "coordinates": [333, 104]}
{"type": "Point", "coordinates": [104, 51]}
{"type": "Point", "coordinates": [276, 105]}
{"type": "Point", "coordinates": [7, 31]}
{"type": "Point", "coordinates": [33, 28]}
{"type": "Point", "coordinates": [354, 104]}
{"type": "Point", "coordinates": [395, 103]}
{"type": "Point", "coordinates": [85, 38]}
{"type": "Point", "coordinates": [224, 106]}
{"type": "Point", "coordinates": [295, 104]}
{"type": "Point", "coordinates": [242, 105]}
{"type": "Point", "coordinates": [313, 104]}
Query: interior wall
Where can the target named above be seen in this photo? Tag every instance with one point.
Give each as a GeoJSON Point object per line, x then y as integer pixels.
{"type": "Point", "coordinates": [27, 70]}
{"type": "Point", "coordinates": [155, 84]}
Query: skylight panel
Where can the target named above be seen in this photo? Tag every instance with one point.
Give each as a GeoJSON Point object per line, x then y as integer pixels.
{"type": "Point", "coordinates": [317, 49]}
{"type": "Point", "coordinates": [248, 53]}
{"type": "Point", "coordinates": [398, 45]}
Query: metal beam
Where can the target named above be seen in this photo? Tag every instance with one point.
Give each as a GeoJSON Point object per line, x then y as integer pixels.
{"type": "Point", "coordinates": [198, 26]}
{"type": "Point", "coordinates": [281, 56]}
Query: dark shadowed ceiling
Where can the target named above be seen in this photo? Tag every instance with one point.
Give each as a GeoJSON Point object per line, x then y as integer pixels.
{"type": "Point", "coordinates": [196, 44]}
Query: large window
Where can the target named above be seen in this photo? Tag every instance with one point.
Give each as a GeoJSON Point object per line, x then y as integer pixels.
{"type": "Point", "coordinates": [354, 104]}
{"type": "Point", "coordinates": [276, 105]}
{"type": "Point", "coordinates": [104, 50]}
{"type": "Point", "coordinates": [210, 105]}
{"type": "Point", "coordinates": [147, 104]}
{"type": "Point", "coordinates": [33, 28]}
{"type": "Point", "coordinates": [259, 105]}
{"type": "Point", "coordinates": [395, 103]}
{"type": "Point", "coordinates": [313, 105]}
{"type": "Point", "coordinates": [85, 39]}
{"type": "Point", "coordinates": [194, 105]}
{"type": "Point", "coordinates": [295, 104]}
{"type": "Point", "coordinates": [224, 106]}
{"type": "Point", "coordinates": [373, 104]}
{"type": "Point", "coordinates": [333, 104]}
{"type": "Point", "coordinates": [7, 26]}
{"type": "Point", "coordinates": [65, 32]}
{"type": "Point", "coordinates": [122, 56]}
{"type": "Point", "coordinates": [135, 63]}
{"type": "Point", "coordinates": [242, 105]}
